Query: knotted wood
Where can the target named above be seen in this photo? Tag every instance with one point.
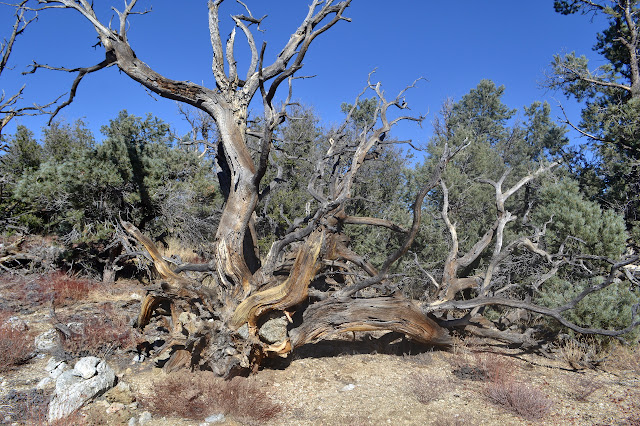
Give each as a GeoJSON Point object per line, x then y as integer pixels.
{"type": "Point", "coordinates": [291, 292]}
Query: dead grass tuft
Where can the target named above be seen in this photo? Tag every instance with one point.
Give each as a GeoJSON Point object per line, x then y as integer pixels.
{"type": "Point", "coordinates": [429, 388]}
{"type": "Point", "coordinates": [65, 289]}
{"type": "Point", "coordinates": [16, 345]}
{"type": "Point", "coordinates": [525, 401]}
{"type": "Point", "coordinates": [581, 388]}
{"type": "Point", "coordinates": [624, 358]}
{"type": "Point", "coordinates": [201, 394]}
{"type": "Point", "coordinates": [101, 334]}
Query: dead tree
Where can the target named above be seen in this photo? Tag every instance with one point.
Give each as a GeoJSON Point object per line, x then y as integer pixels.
{"type": "Point", "coordinates": [24, 15]}
{"type": "Point", "coordinates": [310, 285]}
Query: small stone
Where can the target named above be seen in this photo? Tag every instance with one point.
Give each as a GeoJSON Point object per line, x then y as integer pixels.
{"type": "Point", "coordinates": [215, 418]}
{"type": "Point", "coordinates": [145, 418]}
{"type": "Point", "coordinates": [135, 296]}
{"type": "Point", "coordinates": [14, 324]}
{"type": "Point", "coordinates": [115, 407]}
{"type": "Point", "coordinates": [44, 383]}
{"type": "Point", "coordinates": [61, 368]}
{"type": "Point", "coordinates": [52, 364]}
{"type": "Point", "coordinates": [132, 421]}
{"type": "Point", "coordinates": [86, 367]}
{"type": "Point", "coordinates": [47, 341]}
{"type": "Point", "coordinates": [348, 387]}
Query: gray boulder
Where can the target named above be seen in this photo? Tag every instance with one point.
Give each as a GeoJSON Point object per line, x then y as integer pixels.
{"type": "Point", "coordinates": [73, 390]}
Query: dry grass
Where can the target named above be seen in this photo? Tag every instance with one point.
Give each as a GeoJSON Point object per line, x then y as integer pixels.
{"type": "Point", "coordinates": [36, 291]}
{"type": "Point", "coordinates": [65, 289]}
{"type": "Point", "coordinates": [16, 346]}
{"type": "Point", "coordinates": [624, 358]}
{"type": "Point", "coordinates": [201, 394]}
{"type": "Point", "coordinates": [523, 400]}
{"type": "Point", "coordinates": [101, 334]}
{"type": "Point", "coordinates": [501, 385]}
{"type": "Point", "coordinates": [429, 388]}
{"type": "Point", "coordinates": [582, 387]}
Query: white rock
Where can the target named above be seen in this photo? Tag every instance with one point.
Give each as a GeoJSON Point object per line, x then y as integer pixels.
{"type": "Point", "coordinates": [61, 368]}
{"type": "Point", "coordinates": [44, 383]}
{"type": "Point", "coordinates": [52, 364]}
{"type": "Point", "coordinates": [215, 418]}
{"type": "Point", "coordinates": [348, 387]}
{"type": "Point", "coordinates": [47, 341]}
{"type": "Point", "coordinates": [72, 392]}
{"type": "Point", "coordinates": [86, 367]}
{"type": "Point", "coordinates": [15, 324]}
{"type": "Point", "coordinates": [132, 421]}
{"type": "Point", "coordinates": [145, 418]}
{"type": "Point", "coordinates": [135, 296]}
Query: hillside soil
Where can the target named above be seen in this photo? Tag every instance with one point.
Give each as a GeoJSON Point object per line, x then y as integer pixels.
{"type": "Point", "coordinates": [358, 379]}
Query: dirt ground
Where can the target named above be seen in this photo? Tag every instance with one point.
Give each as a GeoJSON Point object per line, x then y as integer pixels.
{"type": "Point", "coordinates": [364, 380]}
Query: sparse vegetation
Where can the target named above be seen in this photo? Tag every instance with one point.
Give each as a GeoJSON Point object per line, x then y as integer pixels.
{"type": "Point", "coordinates": [196, 396]}
{"type": "Point", "coordinates": [100, 334]}
{"type": "Point", "coordinates": [16, 345]}
{"type": "Point", "coordinates": [428, 388]}
{"type": "Point", "coordinates": [523, 400]}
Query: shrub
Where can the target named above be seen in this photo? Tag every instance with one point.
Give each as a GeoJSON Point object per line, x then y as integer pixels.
{"type": "Point", "coordinates": [101, 334]}
{"type": "Point", "coordinates": [64, 289]}
{"type": "Point", "coordinates": [581, 388]}
{"type": "Point", "coordinates": [483, 367]}
{"type": "Point", "coordinates": [198, 395]}
{"type": "Point", "coordinates": [428, 388]}
{"type": "Point", "coordinates": [525, 401]}
{"type": "Point", "coordinates": [16, 346]}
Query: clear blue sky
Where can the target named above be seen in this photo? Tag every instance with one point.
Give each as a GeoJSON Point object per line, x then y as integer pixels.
{"type": "Point", "coordinates": [453, 45]}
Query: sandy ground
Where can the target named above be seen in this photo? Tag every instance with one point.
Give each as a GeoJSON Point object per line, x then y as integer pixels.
{"type": "Point", "coordinates": [362, 381]}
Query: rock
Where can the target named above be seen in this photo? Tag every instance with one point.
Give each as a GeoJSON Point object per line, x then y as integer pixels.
{"type": "Point", "coordinates": [145, 418]}
{"type": "Point", "coordinates": [44, 383]}
{"type": "Point", "coordinates": [215, 418]}
{"type": "Point", "coordinates": [348, 387]}
{"type": "Point", "coordinates": [52, 364]}
{"type": "Point", "coordinates": [73, 391]}
{"type": "Point", "coordinates": [86, 367]}
{"type": "Point", "coordinates": [135, 296]}
{"type": "Point", "coordinates": [132, 421]}
{"type": "Point", "coordinates": [47, 341]}
{"type": "Point", "coordinates": [66, 380]}
{"type": "Point", "coordinates": [14, 324]}
{"type": "Point", "coordinates": [274, 330]}
{"type": "Point", "coordinates": [115, 407]}
{"type": "Point", "coordinates": [120, 394]}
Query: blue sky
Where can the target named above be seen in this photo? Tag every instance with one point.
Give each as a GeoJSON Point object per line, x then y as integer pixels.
{"type": "Point", "coordinates": [453, 45]}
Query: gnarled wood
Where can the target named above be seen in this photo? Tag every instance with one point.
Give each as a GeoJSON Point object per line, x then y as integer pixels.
{"type": "Point", "coordinates": [291, 292]}
{"type": "Point", "coordinates": [332, 316]}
